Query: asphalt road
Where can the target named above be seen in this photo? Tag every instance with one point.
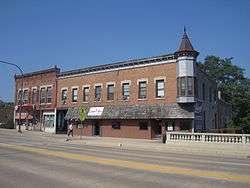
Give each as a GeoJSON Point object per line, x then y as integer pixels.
{"type": "Point", "coordinates": [33, 162]}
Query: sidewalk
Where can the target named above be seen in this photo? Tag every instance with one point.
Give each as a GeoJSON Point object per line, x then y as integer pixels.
{"type": "Point", "coordinates": [205, 149]}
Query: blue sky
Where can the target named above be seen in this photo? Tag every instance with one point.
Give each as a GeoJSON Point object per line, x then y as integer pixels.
{"type": "Point", "coordinates": [74, 34]}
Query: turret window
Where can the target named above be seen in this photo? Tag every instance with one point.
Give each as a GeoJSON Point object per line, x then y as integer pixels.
{"type": "Point", "coordinates": [185, 86]}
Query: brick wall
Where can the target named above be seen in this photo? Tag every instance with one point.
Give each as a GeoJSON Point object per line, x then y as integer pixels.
{"type": "Point", "coordinates": [128, 129]}
{"type": "Point", "coordinates": [133, 74]}
{"type": "Point", "coordinates": [38, 80]}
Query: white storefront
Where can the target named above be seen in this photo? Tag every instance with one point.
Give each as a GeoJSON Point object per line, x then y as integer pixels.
{"type": "Point", "coordinates": [49, 122]}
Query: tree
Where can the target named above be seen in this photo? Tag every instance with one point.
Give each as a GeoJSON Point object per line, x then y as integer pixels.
{"type": "Point", "coordinates": [235, 87]}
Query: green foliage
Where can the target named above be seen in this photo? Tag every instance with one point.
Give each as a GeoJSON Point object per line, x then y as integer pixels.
{"type": "Point", "coordinates": [234, 85]}
{"type": "Point", "coordinates": [6, 114]}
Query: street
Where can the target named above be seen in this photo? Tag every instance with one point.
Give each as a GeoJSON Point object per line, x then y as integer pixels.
{"type": "Point", "coordinates": [33, 161]}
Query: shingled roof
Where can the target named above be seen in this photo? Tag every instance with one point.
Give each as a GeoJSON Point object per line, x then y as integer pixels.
{"type": "Point", "coordinates": [137, 112]}
{"type": "Point", "coordinates": [185, 43]}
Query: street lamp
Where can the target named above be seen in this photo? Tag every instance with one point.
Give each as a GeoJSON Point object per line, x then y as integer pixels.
{"type": "Point", "coordinates": [21, 101]}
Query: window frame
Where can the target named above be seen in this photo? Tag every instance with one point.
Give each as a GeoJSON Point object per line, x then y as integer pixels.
{"type": "Point", "coordinates": [74, 96]}
{"type": "Point", "coordinates": [34, 95]}
{"type": "Point", "coordinates": [110, 95]}
{"type": "Point", "coordinates": [98, 96]}
{"type": "Point", "coordinates": [86, 95]}
{"type": "Point", "coordinates": [157, 89]}
{"type": "Point", "coordinates": [25, 96]}
{"type": "Point", "coordinates": [49, 96]}
{"type": "Point", "coordinates": [116, 125]}
{"type": "Point", "coordinates": [42, 95]}
{"type": "Point", "coordinates": [142, 90]}
{"type": "Point", "coordinates": [125, 97]}
{"type": "Point", "coordinates": [64, 97]}
{"type": "Point", "coordinates": [143, 125]}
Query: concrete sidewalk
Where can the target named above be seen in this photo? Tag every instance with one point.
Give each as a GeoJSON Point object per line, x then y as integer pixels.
{"type": "Point", "coordinates": [194, 148]}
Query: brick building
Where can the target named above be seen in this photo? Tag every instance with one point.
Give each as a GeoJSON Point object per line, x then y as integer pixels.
{"type": "Point", "coordinates": [39, 99]}
{"type": "Point", "coordinates": [138, 98]}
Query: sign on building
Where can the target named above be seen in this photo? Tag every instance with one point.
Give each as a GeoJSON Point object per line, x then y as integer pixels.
{"type": "Point", "coordinates": [95, 111]}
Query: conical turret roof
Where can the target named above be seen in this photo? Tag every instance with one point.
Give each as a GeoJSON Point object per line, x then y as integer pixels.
{"type": "Point", "coordinates": [185, 43]}
{"type": "Point", "coordinates": [186, 48]}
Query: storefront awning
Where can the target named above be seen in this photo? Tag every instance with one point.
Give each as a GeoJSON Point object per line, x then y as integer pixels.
{"type": "Point", "coordinates": [24, 116]}
{"type": "Point", "coordinates": [136, 112]}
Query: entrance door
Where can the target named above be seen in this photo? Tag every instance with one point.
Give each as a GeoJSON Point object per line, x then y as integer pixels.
{"type": "Point", "coordinates": [158, 130]}
{"type": "Point", "coordinates": [97, 129]}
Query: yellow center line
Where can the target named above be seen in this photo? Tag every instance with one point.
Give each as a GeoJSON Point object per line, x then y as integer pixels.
{"type": "Point", "coordinates": [134, 165]}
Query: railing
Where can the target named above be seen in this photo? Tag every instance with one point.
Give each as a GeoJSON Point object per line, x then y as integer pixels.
{"type": "Point", "coordinates": [208, 137]}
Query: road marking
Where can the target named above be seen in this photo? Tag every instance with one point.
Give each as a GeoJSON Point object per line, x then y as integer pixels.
{"type": "Point", "coordinates": [182, 160]}
{"type": "Point", "coordinates": [133, 165]}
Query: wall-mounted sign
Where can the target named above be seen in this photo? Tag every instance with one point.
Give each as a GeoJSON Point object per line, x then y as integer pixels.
{"type": "Point", "coordinates": [95, 111]}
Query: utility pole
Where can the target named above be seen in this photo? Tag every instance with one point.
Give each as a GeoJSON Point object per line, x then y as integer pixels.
{"type": "Point", "coordinates": [21, 96]}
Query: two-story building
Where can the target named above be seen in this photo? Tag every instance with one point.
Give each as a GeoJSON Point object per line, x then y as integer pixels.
{"type": "Point", "coordinates": [38, 92]}
{"type": "Point", "coordinates": [138, 98]}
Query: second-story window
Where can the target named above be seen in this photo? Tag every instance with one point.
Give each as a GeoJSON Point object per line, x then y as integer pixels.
{"type": "Point", "coordinates": [26, 96]}
{"type": "Point", "coordinates": [19, 96]}
{"type": "Point", "coordinates": [42, 95]}
{"type": "Point", "coordinates": [74, 95]}
{"type": "Point", "coordinates": [185, 86]}
{"type": "Point", "coordinates": [125, 91]}
{"type": "Point", "coordinates": [34, 96]}
{"type": "Point", "coordinates": [110, 92]}
{"type": "Point", "coordinates": [49, 94]}
{"type": "Point", "coordinates": [85, 94]}
{"type": "Point", "coordinates": [98, 93]}
{"type": "Point", "coordinates": [160, 89]}
{"type": "Point", "coordinates": [190, 84]}
{"type": "Point", "coordinates": [64, 96]}
{"type": "Point", "coordinates": [142, 90]}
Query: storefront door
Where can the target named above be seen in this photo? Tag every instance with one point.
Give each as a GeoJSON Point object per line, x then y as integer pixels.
{"type": "Point", "coordinates": [96, 129]}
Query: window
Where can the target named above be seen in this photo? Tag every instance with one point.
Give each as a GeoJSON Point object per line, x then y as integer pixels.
{"type": "Point", "coordinates": [160, 89]}
{"type": "Point", "coordinates": [185, 86]}
{"type": "Point", "coordinates": [116, 125]}
{"type": "Point", "coordinates": [190, 86]}
{"type": "Point", "coordinates": [143, 125]}
{"type": "Point", "coordinates": [48, 121]}
{"type": "Point", "coordinates": [85, 94]}
{"type": "Point", "coordinates": [142, 90]}
{"type": "Point", "coordinates": [49, 94]}
{"type": "Point", "coordinates": [34, 96]}
{"type": "Point", "coordinates": [25, 96]}
{"type": "Point", "coordinates": [42, 95]}
{"type": "Point", "coordinates": [74, 95]}
{"type": "Point", "coordinates": [110, 91]}
{"type": "Point", "coordinates": [98, 93]}
{"type": "Point", "coordinates": [19, 97]}
{"type": "Point", "coordinates": [203, 92]}
{"type": "Point", "coordinates": [64, 95]}
{"type": "Point", "coordinates": [125, 91]}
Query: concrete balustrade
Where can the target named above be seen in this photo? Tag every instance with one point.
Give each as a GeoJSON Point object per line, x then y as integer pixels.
{"type": "Point", "coordinates": [208, 137]}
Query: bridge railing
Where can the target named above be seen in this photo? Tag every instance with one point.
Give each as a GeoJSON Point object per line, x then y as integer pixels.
{"type": "Point", "coordinates": [208, 137]}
